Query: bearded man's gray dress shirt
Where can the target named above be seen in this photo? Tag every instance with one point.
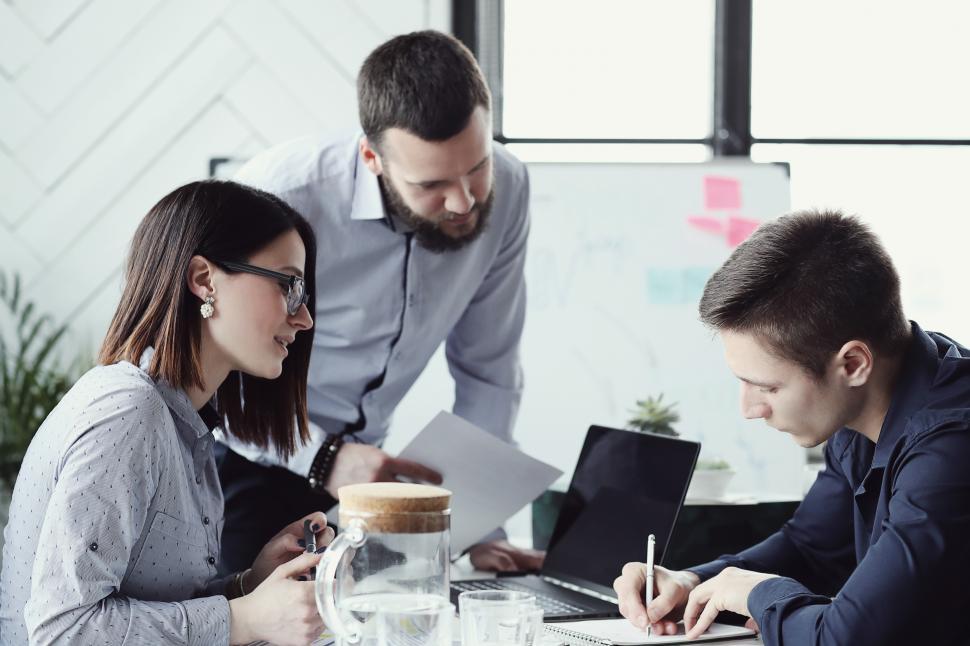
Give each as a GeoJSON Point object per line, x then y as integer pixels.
{"type": "Point", "coordinates": [385, 304]}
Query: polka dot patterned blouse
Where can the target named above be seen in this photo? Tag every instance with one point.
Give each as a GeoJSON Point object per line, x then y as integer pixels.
{"type": "Point", "coordinates": [115, 521]}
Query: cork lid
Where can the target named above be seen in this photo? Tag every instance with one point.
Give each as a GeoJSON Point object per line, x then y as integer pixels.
{"type": "Point", "coordinates": [391, 497]}
{"type": "Point", "coordinates": [396, 506]}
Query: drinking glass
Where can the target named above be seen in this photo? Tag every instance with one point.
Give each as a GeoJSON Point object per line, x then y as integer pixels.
{"type": "Point", "coordinates": [499, 618]}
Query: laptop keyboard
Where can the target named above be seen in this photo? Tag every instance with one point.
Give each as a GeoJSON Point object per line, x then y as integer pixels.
{"type": "Point", "coordinates": [549, 605]}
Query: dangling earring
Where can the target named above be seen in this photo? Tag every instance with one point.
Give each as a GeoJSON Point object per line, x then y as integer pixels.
{"type": "Point", "coordinates": [207, 310]}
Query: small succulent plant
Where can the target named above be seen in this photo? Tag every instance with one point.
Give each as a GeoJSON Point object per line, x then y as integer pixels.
{"type": "Point", "coordinates": [714, 465]}
{"type": "Point", "coordinates": [651, 415]}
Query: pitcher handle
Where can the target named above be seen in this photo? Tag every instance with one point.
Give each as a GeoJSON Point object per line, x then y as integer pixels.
{"type": "Point", "coordinates": [351, 538]}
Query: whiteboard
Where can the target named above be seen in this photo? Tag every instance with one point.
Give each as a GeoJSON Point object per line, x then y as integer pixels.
{"type": "Point", "coordinates": [618, 257]}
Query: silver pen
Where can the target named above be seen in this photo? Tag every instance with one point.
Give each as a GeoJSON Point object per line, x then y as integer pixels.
{"type": "Point", "coordinates": [648, 591]}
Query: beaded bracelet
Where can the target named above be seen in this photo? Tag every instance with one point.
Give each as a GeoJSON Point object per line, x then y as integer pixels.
{"type": "Point", "coordinates": [323, 463]}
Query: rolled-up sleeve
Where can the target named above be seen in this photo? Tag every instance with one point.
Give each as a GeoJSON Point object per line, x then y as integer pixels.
{"type": "Point", "coordinates": [97, 511]}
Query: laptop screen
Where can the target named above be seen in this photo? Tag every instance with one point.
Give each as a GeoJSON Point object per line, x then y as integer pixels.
{"type": "Point", "coordinates": [626, 486]}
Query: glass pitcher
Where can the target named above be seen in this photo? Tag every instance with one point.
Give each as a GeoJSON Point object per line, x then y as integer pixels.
{"type": "Point", "coordinates": [394, 539]}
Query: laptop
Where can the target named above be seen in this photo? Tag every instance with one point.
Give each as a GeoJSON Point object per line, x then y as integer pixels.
{"type": "Point", "coordinates": [626, 486]}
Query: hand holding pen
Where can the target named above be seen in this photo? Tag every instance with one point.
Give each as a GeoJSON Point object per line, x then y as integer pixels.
{"type": "Point", "coordinates": [667, 596]}
{"type": "Point", "coordinates": [289, 543]}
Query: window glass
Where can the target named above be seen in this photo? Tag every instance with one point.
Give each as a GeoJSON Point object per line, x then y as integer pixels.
{"type": "Point", "coordinates": [863, 69]}
{"type": "Point", "coordinates": [631, 70]}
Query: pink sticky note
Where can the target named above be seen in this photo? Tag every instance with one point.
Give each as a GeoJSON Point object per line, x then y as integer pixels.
{"type": "Point", "coordinates": [707, 224]}
{"type": "Point", "coordinates": [722, 192]}
{"type": "Point", "coordinates": [738, 229]}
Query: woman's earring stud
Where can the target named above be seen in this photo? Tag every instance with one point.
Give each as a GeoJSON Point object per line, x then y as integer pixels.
{"type": "Point", "coordinates": [207, 310]}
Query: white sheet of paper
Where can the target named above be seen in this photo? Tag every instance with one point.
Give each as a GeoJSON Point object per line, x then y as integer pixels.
{"type": "Point", "coordinates": [489, 479]}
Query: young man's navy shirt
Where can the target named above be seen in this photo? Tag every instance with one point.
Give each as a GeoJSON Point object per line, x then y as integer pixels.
{"type": "Point", "coordinates": [885, 528]}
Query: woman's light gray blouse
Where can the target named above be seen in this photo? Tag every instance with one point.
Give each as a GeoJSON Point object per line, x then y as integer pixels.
{"type": "Point", "coordinates": [115, 521]}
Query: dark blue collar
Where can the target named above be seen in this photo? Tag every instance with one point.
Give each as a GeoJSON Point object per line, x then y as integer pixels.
{"type": "Point", "coordinates": [916, 377]}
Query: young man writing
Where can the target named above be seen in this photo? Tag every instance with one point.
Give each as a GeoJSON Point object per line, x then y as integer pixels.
{"type": "Point", "coordinates": [809, 312]}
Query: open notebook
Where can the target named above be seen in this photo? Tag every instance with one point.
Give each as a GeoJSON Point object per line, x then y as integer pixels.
{"type": "Point", "coordinates": [620, 632]}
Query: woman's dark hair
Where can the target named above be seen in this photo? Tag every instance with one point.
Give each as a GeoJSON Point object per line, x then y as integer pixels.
{"type": "Point", "coordinates": [220, 221]}
{"type": "Point", "coordinates": [807, 283]}
{"type": "Point", "coordinates": [425, 82]}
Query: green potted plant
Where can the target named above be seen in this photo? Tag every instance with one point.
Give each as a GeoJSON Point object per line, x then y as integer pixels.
{"type": "Point", "coordinates": [32, 380]}
{"type": "Point", "coordinates": [711, 476]}
{"type": "Point", "coordinates": [651, 415]}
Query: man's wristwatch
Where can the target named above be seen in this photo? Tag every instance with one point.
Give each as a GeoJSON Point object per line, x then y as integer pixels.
{"type": "Point", "coordinates": [323, 463]}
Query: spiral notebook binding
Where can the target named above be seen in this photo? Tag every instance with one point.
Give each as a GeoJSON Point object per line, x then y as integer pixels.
{"type": "Point", "coordinates": [577, 637]}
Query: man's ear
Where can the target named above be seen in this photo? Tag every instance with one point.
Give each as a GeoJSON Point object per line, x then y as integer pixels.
{"type": "Point", "coordinates": [372, 159]}
{"type": "Point", "coordinates": [199, 277]}
{"type": "Point", "coordinates": [855, 361]}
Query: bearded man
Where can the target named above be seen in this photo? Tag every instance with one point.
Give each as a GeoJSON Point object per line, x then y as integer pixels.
{"type": "Point", "coordinates": [421, 223]}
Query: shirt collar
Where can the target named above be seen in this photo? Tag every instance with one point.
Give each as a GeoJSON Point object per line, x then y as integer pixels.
{"type": "Point", "coordinates": [178, 402]}
{"type": "Point", "coordinates": [368, 203]}
{"type": "Point", "coordinates": [917, 375]}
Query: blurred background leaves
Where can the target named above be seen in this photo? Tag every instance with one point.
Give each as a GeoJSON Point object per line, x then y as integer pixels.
{"type": "Point", "coordinates": [33, 377]}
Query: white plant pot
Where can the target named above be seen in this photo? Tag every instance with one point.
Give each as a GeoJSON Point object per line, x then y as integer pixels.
{"type": "Point", "coordinates": [709, 484]}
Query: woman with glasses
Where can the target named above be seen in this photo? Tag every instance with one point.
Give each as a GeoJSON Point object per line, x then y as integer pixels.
{"type": "Point", "coordinates": [115, 524]}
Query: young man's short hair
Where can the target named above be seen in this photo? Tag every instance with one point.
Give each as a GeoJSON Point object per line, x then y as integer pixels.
{"type": "Point", "coordinates": [806, 284]}
{"type": "Point", "coordinates": [426, 83]}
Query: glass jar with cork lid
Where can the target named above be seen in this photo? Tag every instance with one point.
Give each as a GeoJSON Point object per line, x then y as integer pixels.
{"type": "Point", "coordinates": [394, 539]}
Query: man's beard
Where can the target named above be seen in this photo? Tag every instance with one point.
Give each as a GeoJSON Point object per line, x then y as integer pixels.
{"type": "Point", "coordinates": [427, 232]}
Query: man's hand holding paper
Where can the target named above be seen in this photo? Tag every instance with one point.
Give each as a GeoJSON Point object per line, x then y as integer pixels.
{"type": "Point", "coordinates": [490, 480]}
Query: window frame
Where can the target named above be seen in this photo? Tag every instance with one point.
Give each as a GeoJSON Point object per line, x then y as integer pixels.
{"type": "Point", "coordinates": [479, 24]}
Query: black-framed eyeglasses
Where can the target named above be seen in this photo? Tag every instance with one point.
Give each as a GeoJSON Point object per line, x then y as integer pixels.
{"type": "Point", "coordinates": [296, 294]}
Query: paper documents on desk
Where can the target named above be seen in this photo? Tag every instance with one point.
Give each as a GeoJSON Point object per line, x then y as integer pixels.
{"type": "Point", "coordinates": [489, 479]}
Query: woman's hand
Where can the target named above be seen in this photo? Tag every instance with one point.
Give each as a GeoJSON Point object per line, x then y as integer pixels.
{"type": "Point", "coordinates": [285, 546]}
{"type": "Point", "coordinates": [281, 609]}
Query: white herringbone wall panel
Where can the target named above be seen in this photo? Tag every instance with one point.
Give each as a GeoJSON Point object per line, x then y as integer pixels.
{"type": "Point", "coordinates": [109, 104]}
